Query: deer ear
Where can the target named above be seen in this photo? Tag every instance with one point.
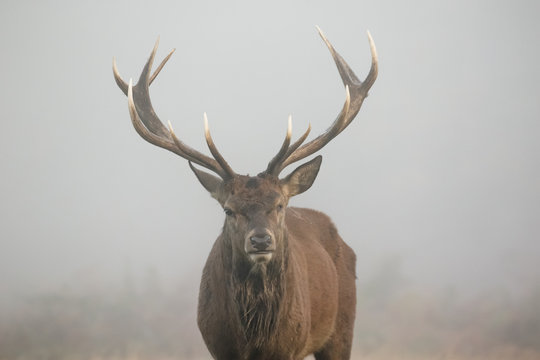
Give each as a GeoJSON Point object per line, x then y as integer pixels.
{"type": "Point", "coordinates": [301, 178]}
{"type": "Point", "coordinates": [210, 182]}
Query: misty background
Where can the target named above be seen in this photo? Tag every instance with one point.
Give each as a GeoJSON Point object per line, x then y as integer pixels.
{"type": "Point", "coordinates": [435, 185]}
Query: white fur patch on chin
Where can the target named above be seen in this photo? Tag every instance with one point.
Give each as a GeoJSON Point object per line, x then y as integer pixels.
{"type": "Point", "coordinates": [260, 257]}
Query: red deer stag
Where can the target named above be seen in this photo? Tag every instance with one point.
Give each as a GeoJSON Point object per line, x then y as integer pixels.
{"type": "Point", "coordinates": [279, 282]}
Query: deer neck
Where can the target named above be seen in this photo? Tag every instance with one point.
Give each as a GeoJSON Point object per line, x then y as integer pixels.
{"type": "Point", "coordinates": [258, 292]}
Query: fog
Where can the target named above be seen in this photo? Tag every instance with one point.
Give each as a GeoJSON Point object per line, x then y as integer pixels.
{"type": "Point", "coordinates": [437, 179]}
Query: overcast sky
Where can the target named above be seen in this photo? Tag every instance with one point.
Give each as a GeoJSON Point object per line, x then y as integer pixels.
{"type": "Point", "coordinates": [441, 168]}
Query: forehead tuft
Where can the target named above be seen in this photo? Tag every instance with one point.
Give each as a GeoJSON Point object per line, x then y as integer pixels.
{"type": "Point", "coordinates": [252, 183]}
{"type": "Point", "coordinates": [255, 189]}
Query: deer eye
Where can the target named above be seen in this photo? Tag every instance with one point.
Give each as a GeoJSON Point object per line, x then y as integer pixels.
{"type": "Point", "coordinates": [228, 212]}
{"type": "Point", "coordinates": [279, 207]}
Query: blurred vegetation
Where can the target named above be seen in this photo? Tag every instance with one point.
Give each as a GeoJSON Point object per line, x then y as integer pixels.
{"type": "Point", "coordinates": [394, 320]}
{"type": "Point", "coordinates": [395, 317]}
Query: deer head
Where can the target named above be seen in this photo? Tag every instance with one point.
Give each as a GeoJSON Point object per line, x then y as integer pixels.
{"type": "Point", "coordinates": [254, 206]}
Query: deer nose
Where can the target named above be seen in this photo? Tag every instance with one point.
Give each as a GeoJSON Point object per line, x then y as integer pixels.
{"type": "Point", "coordinates": [261, 241]}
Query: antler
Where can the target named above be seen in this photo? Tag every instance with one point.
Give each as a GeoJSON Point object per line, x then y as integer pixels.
{"type": "Point", "coordinates": [355, 93]}
{"type": "Point", "coordinates": [150, 128]}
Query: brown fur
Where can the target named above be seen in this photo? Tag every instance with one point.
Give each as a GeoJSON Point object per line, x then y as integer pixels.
{"type": "Point", "coordinates": [300, 302]}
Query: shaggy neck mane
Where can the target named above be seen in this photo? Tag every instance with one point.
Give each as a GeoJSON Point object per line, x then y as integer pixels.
{"type": "Point", "coordinates": [258, 291]}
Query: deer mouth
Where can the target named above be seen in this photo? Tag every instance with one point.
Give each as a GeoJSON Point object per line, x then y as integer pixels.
{"type": "Point", "coordinates": [261, 252]}
{"type": "Point", "coordinates": [261, 255]}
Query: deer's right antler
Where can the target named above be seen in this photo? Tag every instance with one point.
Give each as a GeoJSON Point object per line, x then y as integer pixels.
{"type": "Point", "coordinates": [150, 128]}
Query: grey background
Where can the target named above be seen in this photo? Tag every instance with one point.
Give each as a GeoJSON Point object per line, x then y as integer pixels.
{"type": "Point", "coordinates": [440, 169]}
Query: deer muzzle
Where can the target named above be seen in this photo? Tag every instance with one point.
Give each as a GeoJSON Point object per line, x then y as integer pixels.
{"type": "Point", "coordinates": [260, 245]}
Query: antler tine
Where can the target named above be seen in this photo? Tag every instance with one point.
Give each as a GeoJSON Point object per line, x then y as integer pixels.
{"type": "Point", "coordinates": [194, 156]}
{"type": "Point", "coordinates": [158, 69]}
{"type": "Point", "coordinates": [298, 142]}
{"type": "Point", "coordinates": [124, 86]}
{"type": "Point", "coordinates": [283, 150]}
{"type": "Point", "coordinates": [355, 91]}
{"type": "Point", "coordinates": [149, 126]}
{"type": "Point", "coordinates": [213, 149]}
{"type": "Point", "coordinates": [275, 165]}
{"type": "Point", "coordinates": [374, 70]}
{"type": "Point", "coordinates": [119, 81]}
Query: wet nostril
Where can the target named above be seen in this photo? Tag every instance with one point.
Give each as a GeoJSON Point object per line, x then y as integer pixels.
{"type": "Point", "coordinates": [260, 242]}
